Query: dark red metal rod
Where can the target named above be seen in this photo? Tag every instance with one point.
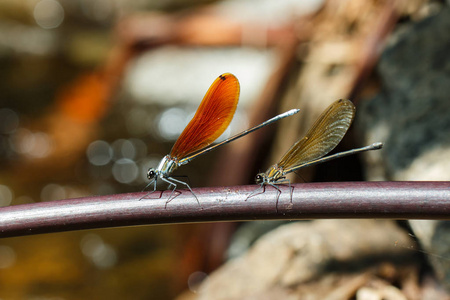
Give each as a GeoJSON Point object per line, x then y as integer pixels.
{"type": "Point", "coordinates": [381, 200]}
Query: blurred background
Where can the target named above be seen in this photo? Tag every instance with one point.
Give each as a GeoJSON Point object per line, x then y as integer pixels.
{"type": "Point", "coordinates": [93, 93]}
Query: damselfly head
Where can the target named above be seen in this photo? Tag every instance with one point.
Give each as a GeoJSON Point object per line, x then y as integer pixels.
{"type": "Point", "coordinates": [260, 178]}
{"type": "Point", "coordinates": [151, 173]}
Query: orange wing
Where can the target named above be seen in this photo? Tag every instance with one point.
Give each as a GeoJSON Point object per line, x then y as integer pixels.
{"type": "Point", "coordinates": [212, 117]}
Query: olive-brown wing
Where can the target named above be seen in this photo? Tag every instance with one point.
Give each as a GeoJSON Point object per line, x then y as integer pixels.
{"type": "Point", "coordinates": [323, 136]}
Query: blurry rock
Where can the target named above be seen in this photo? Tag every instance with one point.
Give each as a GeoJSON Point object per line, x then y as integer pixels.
{"type": "Point", "coordinates": [411, 116]}
{"type": "Point", "coordinates": [247, 234]}
{"type": "Point", "coordinates": [325, 259]}
{"type": "Point", "coordinates": [434, 236]}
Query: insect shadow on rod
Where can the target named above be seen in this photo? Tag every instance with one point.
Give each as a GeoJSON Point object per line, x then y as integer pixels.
{"type": "Point", "coordinates": [211, 119]}
{"type": "Point", "coordinates": [323, 136]}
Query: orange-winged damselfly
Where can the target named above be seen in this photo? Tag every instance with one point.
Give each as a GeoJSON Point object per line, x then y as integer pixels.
{"type": "Point", "coordinates": [211, 119]}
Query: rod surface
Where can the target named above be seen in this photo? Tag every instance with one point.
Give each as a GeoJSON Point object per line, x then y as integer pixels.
{"type": "Point", "coordinates": [274, 119]}
{"type": "Point", "coordinates": [382, 200]}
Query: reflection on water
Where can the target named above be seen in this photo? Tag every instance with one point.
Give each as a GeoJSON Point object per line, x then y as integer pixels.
{"type": "Point", "coordinates": [10, 121]}
{"type": "Point", "coordinates": [7, 257]}
{"type": "Point", "coordinates": [52, 192]}
{"type": "Point", "coordinates": [100, 253]}
{"type": "Point", "coordinates": [171, 123]}
{"type": "Point", "coordinates": [48, 14]}
{"type": "Point", "coordinates": [99, 153]}
{"type": "Point", "coordinates": [125, 170]}
{"type": "Point", "coordinates": [6, 195]}
{"type": "Point", "coordinates": [126, 263]}
{"type": "Point", "coordinates": [67, 131]}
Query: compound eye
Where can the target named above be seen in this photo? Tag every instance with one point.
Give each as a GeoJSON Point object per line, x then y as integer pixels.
{"type": "Point", "coordinates": [151, 173]}
{"type": "Point", "coordinates": [258, 178]}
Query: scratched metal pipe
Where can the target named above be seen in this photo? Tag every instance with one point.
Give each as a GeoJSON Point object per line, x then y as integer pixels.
{"type": "Point", "coordinates": [381, 200]}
